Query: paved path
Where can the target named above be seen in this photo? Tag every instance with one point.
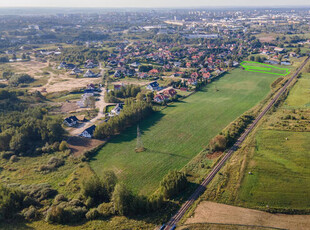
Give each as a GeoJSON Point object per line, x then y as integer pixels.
{"type": "Point", "coordinates": [202, 187]}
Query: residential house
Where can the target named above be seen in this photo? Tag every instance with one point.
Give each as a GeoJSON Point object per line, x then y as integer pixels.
{"type": "Point", "coordinates": [89, 64]}
{"type": "Point", "coordinates": [279, 50]}
{"type": "Point", "coordinates": [71, 121]}
{"type": "Point", "coordinates": [89, 132]}
{"type": "Point", "coordinates": [76, 71]}
{"type": "Point", "coordinates": [143, 75]}
{"type": "Point", "coordinates": [192, 81]}
{"type": "Point", "coordinates": [154, 86]}
{"type": "Point", "coordinates": [159, 98]}
{"type": "Point", "coordinates": [90, 73]}
{"type": "Point", "coordinates": [116, 110]}
{"type": "Point", "coordinates": [153, 72]}
{"type": "Point", "coordinates": [206, 75]}
{"type": "Point", "coordinates": [170, 92]}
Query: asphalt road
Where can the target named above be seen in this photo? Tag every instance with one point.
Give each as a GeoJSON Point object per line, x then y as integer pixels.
{"type": "Point", "coordinates": [202, 187]}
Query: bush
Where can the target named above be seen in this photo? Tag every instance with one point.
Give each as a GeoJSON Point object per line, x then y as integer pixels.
{"type": "Point", "coordinates": [60, 198]}
{"type": "Point", "coordinates": [122, 199]}
{"type": "Point", "coordinates": [94, 189]}
{"type": "Point", "coordinates": [173, 183]}
{"type": "Point", "coordinates": [92, 214]}
{"type": "Point", "coordinates": [39, 191]}
{"type": "Point", "coordinates": [52, 164]}
{"type": "Point", "coordinates": [30, 213]}
{"type": "Point", "coordinates": [65, 213]}
{"type": "Point", "coordinates": [63, 146]}
{"type": "Point", "coordinates": [218, 143]}
{"type": "Point", "coordinates": [14, 158]}
{"type": "Point", "coordinates": [7, 155]}
{"type": "Point", "coordinates": [20, 79]}
{"type": "Point", "coordinates": [106, 209]}
{"type": "Point", "coordinates": [11, 202]}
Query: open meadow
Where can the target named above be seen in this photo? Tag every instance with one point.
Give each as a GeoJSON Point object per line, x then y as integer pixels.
{"type": "Point", "coordinates": [271, 171]}
{"type": "Point", "coordinates": [173, 136]}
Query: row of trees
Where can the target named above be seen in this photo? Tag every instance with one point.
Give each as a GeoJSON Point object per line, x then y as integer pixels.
{"type": "Point", "coordinates": [133, 112]}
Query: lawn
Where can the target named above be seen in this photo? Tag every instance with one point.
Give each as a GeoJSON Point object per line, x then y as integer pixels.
{"type": "Point", "coordinates": [281, 172]}
{"type": "Point", "coordinates": [175, 135]}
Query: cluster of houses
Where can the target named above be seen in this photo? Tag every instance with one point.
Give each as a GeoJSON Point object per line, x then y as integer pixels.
{"type": "Point", "coordinates": [169, 57]}
{"type": "Point", "coordinates": [76, 71]}
{"type": "Point", "coordinates": [273, 55]}
{"type": "Point", "coordinates": [88, 92]}
{"type": "Point", "coordinates": [165, 95]}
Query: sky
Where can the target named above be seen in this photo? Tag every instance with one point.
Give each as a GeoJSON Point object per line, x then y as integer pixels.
{"type": "Point", "coordinates": [150, 3]}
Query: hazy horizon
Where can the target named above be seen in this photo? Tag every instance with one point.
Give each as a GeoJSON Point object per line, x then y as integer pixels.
{"type": "Point", "coordinates": [150, 3]}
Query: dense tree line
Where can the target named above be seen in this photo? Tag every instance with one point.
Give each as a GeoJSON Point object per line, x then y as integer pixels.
{"type": "Point", "coordinates": [233, 132]}
{"type": "Point", "coordinates": [125, 92]}
{"type": "Point", "coordinates": [133, 112]}
{"type": "Point", "coordinates": [28, 131]}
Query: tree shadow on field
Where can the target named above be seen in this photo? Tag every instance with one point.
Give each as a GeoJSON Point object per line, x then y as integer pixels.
{"type": "Point", "coordinates": [131, 133]}
{"type": "Point", "coordinates": [166, 153]}
{"type": "Point", "coordinates": [15, 225]}
{"type": "Point", "coordinates": [169, 209]}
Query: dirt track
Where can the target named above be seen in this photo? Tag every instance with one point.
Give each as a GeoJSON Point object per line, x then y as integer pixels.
{"type": "Point", "coordinates": [211, 212]}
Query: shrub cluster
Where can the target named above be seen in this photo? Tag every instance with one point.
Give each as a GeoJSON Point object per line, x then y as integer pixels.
{"type": "Point", "coordinates": [11, 202]}
{"type": "Point", "coordinates": [52, 164]}
{"type": "Point", "coordinates": [172, 184]}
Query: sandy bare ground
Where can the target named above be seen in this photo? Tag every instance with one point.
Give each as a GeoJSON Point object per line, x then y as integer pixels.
{"type": "Point", "coordinates": [67, 84]}
{"type": "Point", "coordinates": [56, 82]}
{"type": "Point", "coordinates": [30, 67]}
{"type": "Point", "coordinates": [266, 39]}
{"type": "Point", "coordinates": [211, 212]}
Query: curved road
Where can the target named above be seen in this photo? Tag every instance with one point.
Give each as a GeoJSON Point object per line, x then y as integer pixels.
{"type": "Point", "coordinates": [202, 187]}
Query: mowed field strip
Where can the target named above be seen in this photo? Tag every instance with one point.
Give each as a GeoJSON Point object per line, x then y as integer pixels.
{"type": "Point", "coordinates": [175, 135]}
{"type": "Point", "coordinates": [264, 68]}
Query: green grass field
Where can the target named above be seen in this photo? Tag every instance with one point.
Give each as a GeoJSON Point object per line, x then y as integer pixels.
{"type": "Point", "coordinates": [175, 135]}
{"type": "Point", "coordinates": [281, 172]}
